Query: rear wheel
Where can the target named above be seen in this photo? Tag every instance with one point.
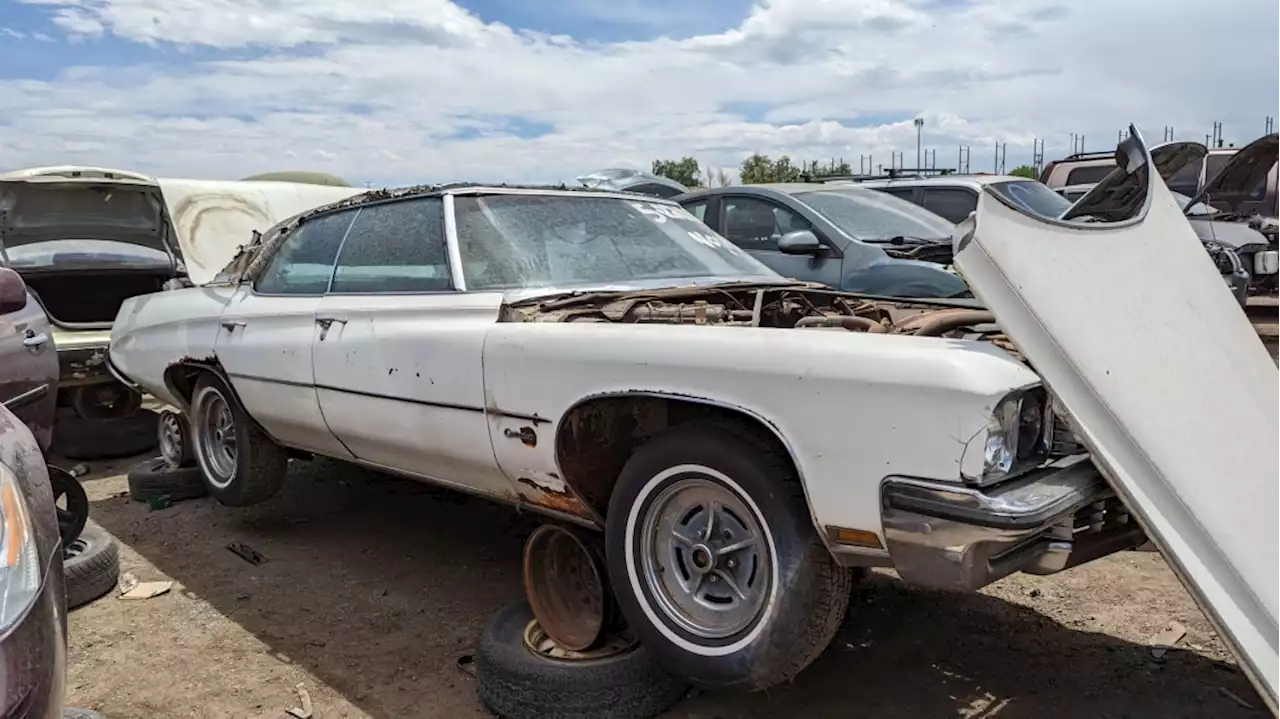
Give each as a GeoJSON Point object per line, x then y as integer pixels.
{"type": "Point", "coordinates": [241, 465]}
{"type": "Point", "coordinates": [715, 562]}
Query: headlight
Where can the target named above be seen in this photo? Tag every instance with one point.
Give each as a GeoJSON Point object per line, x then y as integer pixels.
{"type": "Point", "coordinates": [1019, 434]}
{"type": "Point", "coordinates": [19, 557]}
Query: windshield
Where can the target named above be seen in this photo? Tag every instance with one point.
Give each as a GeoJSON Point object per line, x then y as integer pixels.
{"type": "Point", "coordinates": [873, 215]}
{"type": "Point", "coordinates": [513, 241]}
{"type": "Point", "coordinates": [1033, 196]}
{"type": "Point", "coordinates": [65, 254]}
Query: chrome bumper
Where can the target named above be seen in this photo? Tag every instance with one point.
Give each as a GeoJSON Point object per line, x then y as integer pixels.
{"type": "Point", "coordinates": [952, 536]}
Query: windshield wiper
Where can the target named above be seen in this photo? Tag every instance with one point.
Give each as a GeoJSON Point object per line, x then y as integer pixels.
{"type": "Point", "coordinates": [911, 240]}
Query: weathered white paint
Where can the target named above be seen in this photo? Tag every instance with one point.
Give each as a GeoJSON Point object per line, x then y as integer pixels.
{"type": "Point", "coordinates": [402, 384]}
{"type": "Point", "coordinates": [1131, 328]}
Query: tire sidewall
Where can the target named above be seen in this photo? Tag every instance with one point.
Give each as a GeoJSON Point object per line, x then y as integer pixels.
{"type": "Point", "coordinates": [788, 534]}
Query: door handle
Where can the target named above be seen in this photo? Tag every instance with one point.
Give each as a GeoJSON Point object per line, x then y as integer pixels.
{"type": "Point", "coordinates": [231, 325]}
{"type": "Point", "coordinates": [35, 341]}
{"type": "Point", "coordinates": [326, 321]}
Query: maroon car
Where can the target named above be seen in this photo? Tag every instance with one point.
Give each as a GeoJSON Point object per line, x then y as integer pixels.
{"type": "Point", "coordinates": [33, 615]}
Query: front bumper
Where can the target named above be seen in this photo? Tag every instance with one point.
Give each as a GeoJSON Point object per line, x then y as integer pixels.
{"type": "Point", "coordinates": [33, 656]}
{"type": "Point", "coordinates": [952, 536]}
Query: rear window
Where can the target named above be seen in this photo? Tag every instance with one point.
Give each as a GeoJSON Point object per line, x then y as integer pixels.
{"type": "Point", "coordinates": [1089, 174]}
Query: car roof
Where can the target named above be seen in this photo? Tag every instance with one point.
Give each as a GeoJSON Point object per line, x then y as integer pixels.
{"type": "Point", "coordinates": [771, 188]}
{"type": "Point", "coordinates": [475, 188]}
{"type": "Point", "coordinates": [973, 181]}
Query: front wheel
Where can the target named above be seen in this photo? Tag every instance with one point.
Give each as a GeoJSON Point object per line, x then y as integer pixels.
{"type": "Point", "coordinates": [241, 465]}
{"type": "Point", "coordinates": [715, 562]}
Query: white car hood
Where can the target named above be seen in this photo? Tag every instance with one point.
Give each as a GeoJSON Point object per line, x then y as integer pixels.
{"type": "Point", "coordinates": [1164, 380]}
{"type": "Point", "coordinates": [214, 218]}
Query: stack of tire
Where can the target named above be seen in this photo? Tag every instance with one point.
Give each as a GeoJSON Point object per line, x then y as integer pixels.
{"type": "Point", "coordinates": [172, 476]}
{"type": "Point", "coordinates": [91, 559]}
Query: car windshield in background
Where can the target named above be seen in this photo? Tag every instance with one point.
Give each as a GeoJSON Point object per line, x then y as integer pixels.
{"type": "Point", "coordinates": [66, 254]}
{"type": "Point", "coordinates": [873, 215]}
{"type": "Point", "coordinates": [1033, 196]}
{"type": "Point", "coordinates": [513, 241]}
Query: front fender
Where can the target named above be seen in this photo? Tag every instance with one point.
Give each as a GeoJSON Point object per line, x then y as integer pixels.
{"type": "Point", "coordinates": [851, 408]}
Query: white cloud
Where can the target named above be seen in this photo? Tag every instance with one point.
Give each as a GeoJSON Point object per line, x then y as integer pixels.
{"type": "Point", "coordinates": [412, 90]}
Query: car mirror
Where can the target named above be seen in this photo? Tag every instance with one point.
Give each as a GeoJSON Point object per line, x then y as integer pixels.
{"type": "Point", "coordinates": [13, 291]}
{"type": "Point", "coordinates": [800, 242]}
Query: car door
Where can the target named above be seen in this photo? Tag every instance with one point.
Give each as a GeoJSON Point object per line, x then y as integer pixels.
{"type": "Point", "coordinates": [265, 336]}
{"type": "Point", "coordinates": [397, 351]}
{"type": "Point", "coordinates": [756, 224]}
{"type": "Point", "coordinates": [1163, 379]}
{"type": "Point", "coordinates": [28, 360]}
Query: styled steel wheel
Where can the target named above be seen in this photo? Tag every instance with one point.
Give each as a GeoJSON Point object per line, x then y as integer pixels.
{"type": "Point", "coordinates": [172, 435]}
{"type": "Point", "coordinates": [217, 442]}
{"type": "Point", "coordinates": [714, 560]}
{"type": "Point", "coordinates": [241, 465]}
{"type": "Point", "coordinates": [704, 556]}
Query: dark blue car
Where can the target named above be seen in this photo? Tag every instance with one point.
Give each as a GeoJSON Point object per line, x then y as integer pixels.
{"type": "Point", "coordinates": [843, 236]}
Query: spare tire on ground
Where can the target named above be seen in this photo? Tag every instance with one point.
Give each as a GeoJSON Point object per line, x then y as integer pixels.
{"type": "Point", "coordinates": [79, 438]}
{"type": "Point", "coordinates": [91, 563]}
{"type": "Point", "coordinates": [155, 477]}
{"type": "Point", "coordinates": [523, 676]}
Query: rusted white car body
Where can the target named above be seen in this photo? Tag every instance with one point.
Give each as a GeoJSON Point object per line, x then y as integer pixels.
{"type": "Point", "coordinates": [918, 434]}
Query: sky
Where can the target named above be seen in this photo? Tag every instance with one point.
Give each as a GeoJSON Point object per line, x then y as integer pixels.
{"type": "Point", "coordinates": [390, 92]}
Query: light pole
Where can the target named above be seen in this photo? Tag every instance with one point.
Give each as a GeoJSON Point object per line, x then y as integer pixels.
{"type": "Point", "coordinates": [919, 125]}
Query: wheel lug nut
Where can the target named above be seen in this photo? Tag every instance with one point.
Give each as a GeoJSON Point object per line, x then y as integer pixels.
{"type": "Point", "coordinates": [732, 563]}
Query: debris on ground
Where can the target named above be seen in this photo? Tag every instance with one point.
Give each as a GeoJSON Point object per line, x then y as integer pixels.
{"type": "Point", "coordinates": [247, 553]}
{"type": "Point", "coordinates": [130, 588]}
{"type": "Point", "coordinates": [1233, 697]}
{"type": "Point", "coordinates": [127, 582]}
{"type": "Point", "coordinates": [147, 590]}
{"type": "Point", "coordinates": [79, 470]}
{"type": "Point", "coordinates": [159, 501]}
{"type": "Point", "coordinates": [466, 664]}
{"type": "Point", "coordinates": [1166, 639]}
{"type": "Point", "coordinates": [303, 712]}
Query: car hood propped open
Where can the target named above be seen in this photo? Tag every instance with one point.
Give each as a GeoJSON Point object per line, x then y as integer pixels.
{"type": "Point", "coordinates": [1180, 414]}
{"type": "Point", "coordinates": [1243, 177]}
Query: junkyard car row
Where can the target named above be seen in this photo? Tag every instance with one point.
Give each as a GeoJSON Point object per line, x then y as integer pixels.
{"type": "Point", "coordinates": [729, 403]}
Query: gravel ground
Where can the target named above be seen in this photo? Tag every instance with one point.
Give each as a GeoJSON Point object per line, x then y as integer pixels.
{"type": "Point", "coordinates": [373, 587]}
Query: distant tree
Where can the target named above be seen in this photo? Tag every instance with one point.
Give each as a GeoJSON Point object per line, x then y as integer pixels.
{"type": "Point", "coordinates": [1026, 171]}
{"type": "Point", "coordinates": [784, 171]}
{"type": "Point", "coordinates": [756, 170]}
{"type": "Point", "coordinates": [685, 170]}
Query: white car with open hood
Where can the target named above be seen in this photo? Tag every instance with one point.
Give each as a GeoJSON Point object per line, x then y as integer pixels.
{"type": "Point", "coordinates": [737, 440]}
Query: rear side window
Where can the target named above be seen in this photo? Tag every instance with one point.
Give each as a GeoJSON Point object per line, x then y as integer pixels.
{"type": "Point", "coordinates": [1088, 175]}
{"type": "Point", "coordinates": [395, 247]}
{"type": "Point", "coordinates": [303, 263]}
{"type": "Point", "coordinates": [906, 193]}
{"type": "Point", "coordinates": [952, 203]}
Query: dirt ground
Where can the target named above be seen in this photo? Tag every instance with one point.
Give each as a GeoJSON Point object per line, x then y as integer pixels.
{"type": "Point", "coordinates": [373, 587]}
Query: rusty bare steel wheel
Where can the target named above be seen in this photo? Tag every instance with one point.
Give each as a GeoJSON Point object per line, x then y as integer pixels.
{"type": "Point", "coordinates": [565, 581]}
